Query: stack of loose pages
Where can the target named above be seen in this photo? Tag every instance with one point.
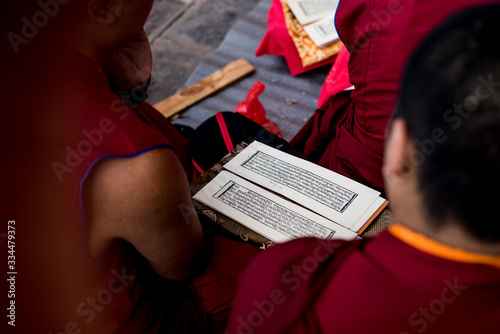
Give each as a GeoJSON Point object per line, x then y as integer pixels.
{"type": "Point", "coordinates": [311, 26]}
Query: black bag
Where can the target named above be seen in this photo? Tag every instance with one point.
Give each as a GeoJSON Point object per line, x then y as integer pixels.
{"type": "Point", "coordinates": [220, 134]}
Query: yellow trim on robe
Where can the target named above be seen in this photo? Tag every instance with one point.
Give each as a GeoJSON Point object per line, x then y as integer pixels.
{"type": "Point", "coordinates": [435, 248]}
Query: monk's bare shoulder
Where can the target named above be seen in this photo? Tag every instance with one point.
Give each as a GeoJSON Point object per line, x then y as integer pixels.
{"type": "Point", "coordinates": [144, 200]}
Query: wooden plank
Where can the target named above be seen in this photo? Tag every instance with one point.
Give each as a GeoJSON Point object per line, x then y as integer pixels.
{"type": "Point", "coordinates": [209, 85]}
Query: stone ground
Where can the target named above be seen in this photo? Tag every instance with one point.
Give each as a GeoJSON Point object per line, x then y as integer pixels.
{"type": "Point", "coordinates": [183, 33]}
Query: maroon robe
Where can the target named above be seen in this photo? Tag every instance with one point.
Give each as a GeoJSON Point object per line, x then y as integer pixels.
{"type": "Point", "coordinates": [399, 282]}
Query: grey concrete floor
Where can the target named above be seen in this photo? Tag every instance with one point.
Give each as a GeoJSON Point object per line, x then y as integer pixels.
{"type": "Point", "coordinates": [183, 33]}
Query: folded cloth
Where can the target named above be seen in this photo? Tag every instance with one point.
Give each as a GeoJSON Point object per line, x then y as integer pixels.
{"type": "Point", "coordinates": [277, 41]}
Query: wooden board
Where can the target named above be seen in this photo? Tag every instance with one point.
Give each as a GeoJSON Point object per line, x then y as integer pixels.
{"type": "Point", "coordinates": [209, 85]}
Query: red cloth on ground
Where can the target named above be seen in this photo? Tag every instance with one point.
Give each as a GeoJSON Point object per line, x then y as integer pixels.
{"type": "Point", "coordinates": [382, 285]}
{"type": "Point", "coordinates": [380, 35]}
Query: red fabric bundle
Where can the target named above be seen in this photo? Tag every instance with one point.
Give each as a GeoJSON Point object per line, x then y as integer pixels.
{"type": "Point", "coordinates": [277, 42]}
{"type": "Point", "coordinates": [254, 110]}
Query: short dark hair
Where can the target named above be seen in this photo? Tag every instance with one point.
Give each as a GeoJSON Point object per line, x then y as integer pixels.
{"type": "Point", "coordinates": [450, 101]}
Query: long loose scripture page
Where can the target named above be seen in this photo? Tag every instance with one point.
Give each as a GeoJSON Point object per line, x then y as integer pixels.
{"type": "Point", "coordinates": [325, 192]}
{"type": "Point", "coordinates": [267, 214]}
{"type": "Point", "coordinates": [308, 11]}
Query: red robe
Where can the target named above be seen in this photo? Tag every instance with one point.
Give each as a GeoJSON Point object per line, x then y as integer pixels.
{"type": "Point", "coordinates": [400, 282]}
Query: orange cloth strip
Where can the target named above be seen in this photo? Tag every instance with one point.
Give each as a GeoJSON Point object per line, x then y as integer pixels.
{"type": "Point", "coordinates": [435, 248]}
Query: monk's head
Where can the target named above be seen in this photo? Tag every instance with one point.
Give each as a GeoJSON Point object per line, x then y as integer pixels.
{"type": "Point", "coordinates": [442, 158]}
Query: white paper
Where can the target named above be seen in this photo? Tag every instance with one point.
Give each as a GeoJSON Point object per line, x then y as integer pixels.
{"type": "Point", "coordinates": [308, 11]}
{"type": "Point", "coordinates": [265, 213]}
{"type": "Point", "coordinates": [325, 192]}
{"type": "Point", "coordinates": [322, 32]}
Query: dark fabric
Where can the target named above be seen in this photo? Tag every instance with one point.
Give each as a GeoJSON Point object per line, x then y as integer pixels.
{"type": "Point", "coordinates": [207, 146]}
{"type": "Point", "coordinates": [313, 139]}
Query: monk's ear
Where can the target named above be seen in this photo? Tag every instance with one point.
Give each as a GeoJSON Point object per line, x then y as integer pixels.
{"type": "Point", "coordinates": [399, 148]}
{"type": "Point", "coordinates": [104, 11]}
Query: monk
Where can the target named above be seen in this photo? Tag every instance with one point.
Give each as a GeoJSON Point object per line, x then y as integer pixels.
{"type": "Point", "coordinates": [108, 238]}
{"type": "Point", "coordinates": [346, 134]}
{"type": "Point", "coordinates": [437, 269]}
